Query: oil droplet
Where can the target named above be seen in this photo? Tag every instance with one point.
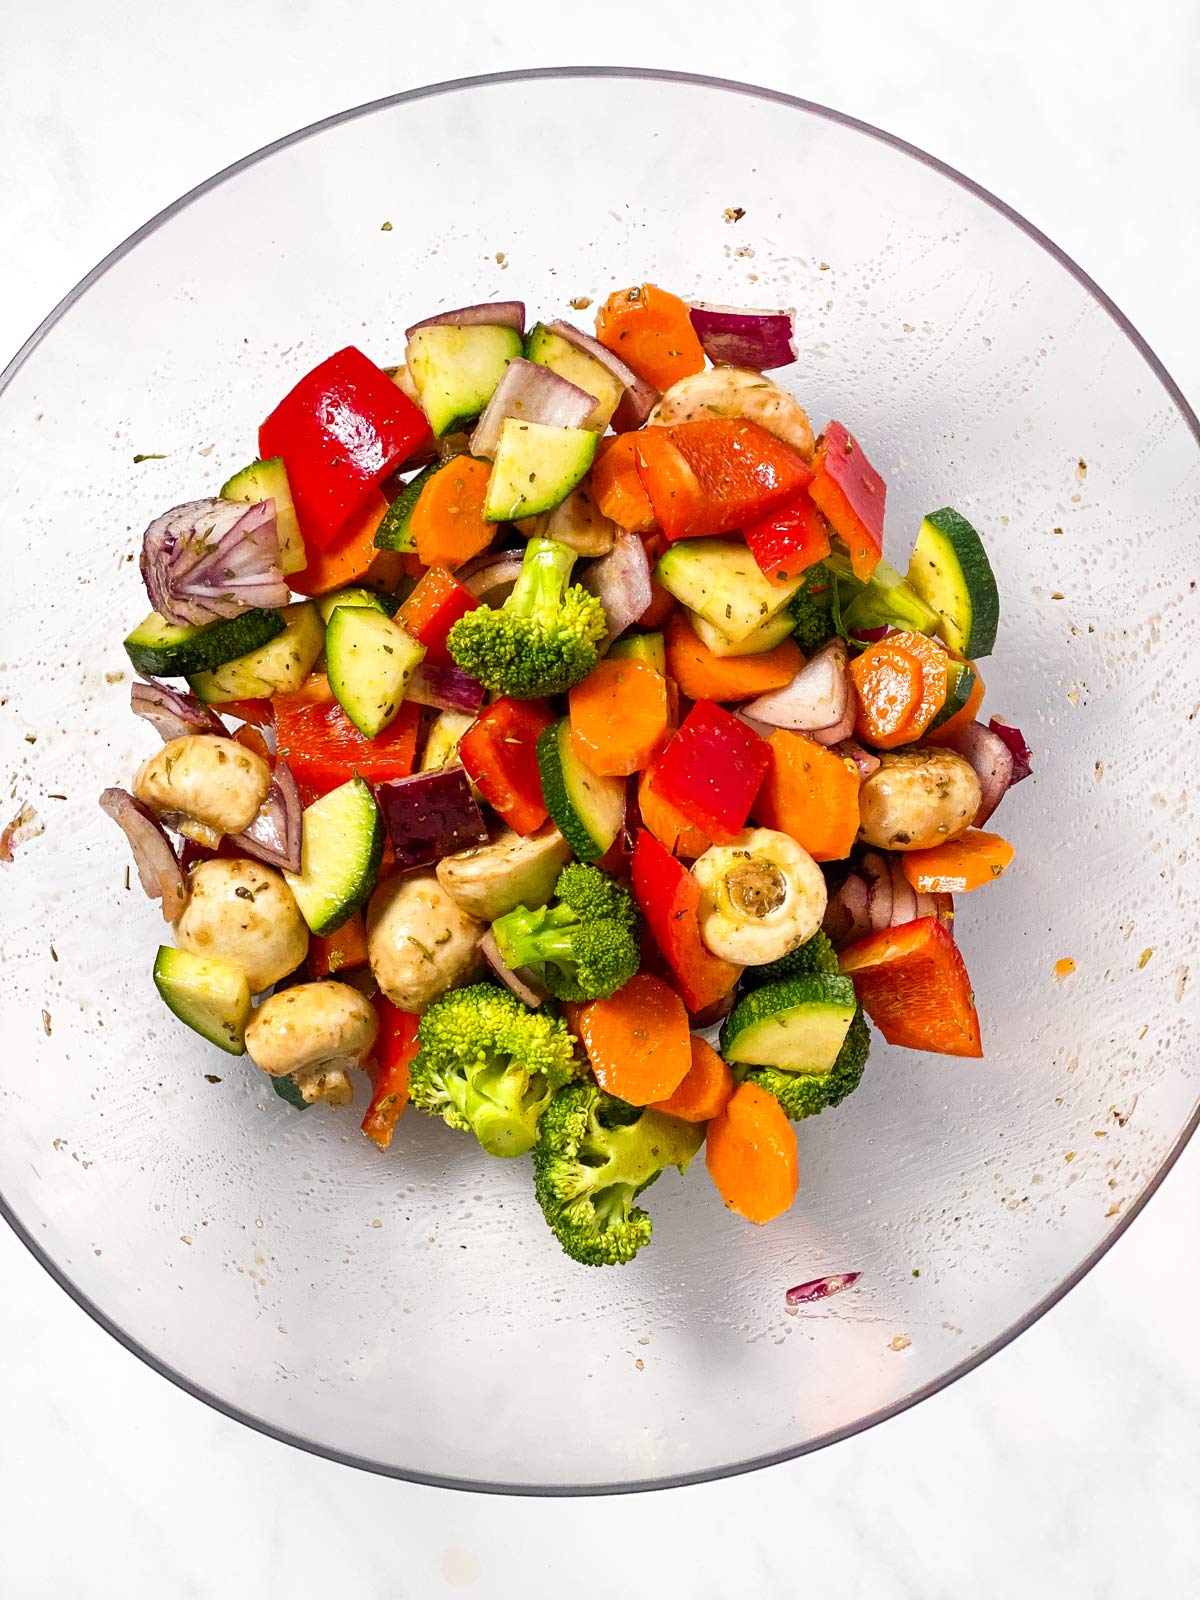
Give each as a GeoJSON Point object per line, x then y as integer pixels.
{"type": "Point", "coordinates": [1063, 969]}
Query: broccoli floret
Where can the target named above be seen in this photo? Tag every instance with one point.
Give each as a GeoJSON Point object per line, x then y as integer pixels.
{"type": "Point", "coordinates": [591, 893]}
{"type": "Point", "coordinates": [594, 1156]}
{"type": "Point", "coordinates": [803, 1094]}
{"type": "Point", "coordinates": [816, 955]}
{"type": "Point", "coordinates": [587, 941]}
{"type": "Point", "coordinates": [487, 1064]}
{"type": "Point", "coordinates": [543, 639]}
{"type": "Point", "coordinates": [812, 608]}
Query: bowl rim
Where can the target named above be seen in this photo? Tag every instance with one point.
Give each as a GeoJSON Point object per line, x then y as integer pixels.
{"type": "Point", "coordinates": [1037, 1311]}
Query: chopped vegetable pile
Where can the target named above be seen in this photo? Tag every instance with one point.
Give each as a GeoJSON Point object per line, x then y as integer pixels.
{"type": "Point", "coordinates": [548, 703]}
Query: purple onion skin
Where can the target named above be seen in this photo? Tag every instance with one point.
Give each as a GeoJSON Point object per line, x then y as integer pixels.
{"type": "Point", "coordinates": [821, 1288]}
{"type": "Point", "coordinates": [430, 815]}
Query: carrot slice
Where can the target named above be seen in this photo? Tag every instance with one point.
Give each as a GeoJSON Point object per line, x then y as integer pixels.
{"type": "Point", "coordinates": [961, 864]}
{"type": "Point", "coordinates": [617, 488]}
{"type": "Point", "coordinates": [811, 794]}
{"type": "Point", "coordinates": [651, 330]}
{"type": "Point", "coordinates": [667, 823]}
{"type": "Point", "coordinates": [901, 684]}
{"type": "Point", "coordinates": [704, 676]}
{"type": "Point", "coordinates": [447, 521]}
{"type": "Point", "coordinates": [638, 1040]}
{"type": "Point", "coordinates": [705, 1089]}
{"type": "Point", "coordinates": [351, 559]}
{"type": "Point", "coordinates": [620, 717]}
{"type": "Point", "coordinates": [750, 1151]}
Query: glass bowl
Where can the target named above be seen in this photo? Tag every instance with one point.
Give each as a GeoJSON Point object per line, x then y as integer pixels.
{"type": "Point", "coordinates": [408, 1311]}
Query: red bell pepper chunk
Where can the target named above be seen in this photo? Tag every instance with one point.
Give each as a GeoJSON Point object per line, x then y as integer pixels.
{"type": "Point", "coordinates": [912, 982]}
{"type": "Point", "coordinates": [499, 751]}
{"type": "Point", "coordinates": [712, 769]}
{"type": "Point", "coordinates": [340, 431]}
{"type": "Point", "coordinates": [707, 478]}
{"type": "Point", "coordinates": [670, 899]}
{"type": "Point", "coordinates": [324, 749]}
{"type": "Point", "coordinates": [338, 952]}
{"type": "Point", "coordinates": [394, 1050]}
{"type": "Point", "coordinates": [851, 493]}
{"type": "Point", "coordinates": [432, 609]}
{"type": "Point", "coordinates": [788, 541]}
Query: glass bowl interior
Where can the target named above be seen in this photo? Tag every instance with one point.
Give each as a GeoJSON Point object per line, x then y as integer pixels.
{"type": "Point", "coordinates": [409, 1311]}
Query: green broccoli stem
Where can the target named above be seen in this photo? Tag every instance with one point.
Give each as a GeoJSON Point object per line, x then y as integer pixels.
{"type": "Point", "coordinates": [545, 574]}
{"type": "Point", "coordinates": [518, 931]}
{"type": "Point", "coordinates": [548, 943]}
{"type": "Point", "coordinates": [502, 1104]}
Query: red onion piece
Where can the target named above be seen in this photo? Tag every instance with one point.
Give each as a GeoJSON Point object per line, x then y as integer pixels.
{"type": "Point", "coordinates": [992, 759]}
{"type": "Point", "coordinates": [816, 699]}
{"type": "Point", "coordinates": [764, 730]}
{"type": "Point", "coordinates": [621, 582]}
{"type": "Point", "coordinates": [1021, 753]}
{"type": "Point", "coordinates": [874, 870]}
{"type": "Point", "coordinates": [943, 910]}
{"type": "Point", "coordinates": [524, 982]}
{"type": "Point", "coordinates": [866, 761]}
{"type": "Point", "coordinates": [821, 1288]}
{"type": "Point", "coordinates": [170, 713]}
{"type": "Point", "coordinates": [843, 729]}
{"type": "Point", "coordinates": [491, 577]}
{"type": "Point", "coordinates": [448, 688]}
{"type": "Point", "coordinates": [713, 1013]}
{"type": "Point", "coordinates": [276, 834]}
{"type": "Point", "coordinates": [740, 337]}
{"type": "Point", "coordinates": [495, 314]}
{"type": "Point", "coordinates": [904, 896]}
{"type": "Point", "coordinates": [211, 559]}
{"type": "Point", "coordinates": [640, 397]}
{"type": "Point", "coordinates": [848, 913]}
{"type": "Point", "coordinates": [154, 856]}
{"type": "Point", "coordinates": [530, 393]}
{"type": "Point", "coordinates": [430, 815]}
{"type": "Point", "coordinates": [872, 635]}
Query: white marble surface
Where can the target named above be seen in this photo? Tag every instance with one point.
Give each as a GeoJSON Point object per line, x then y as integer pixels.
{"type": "Point", "coordinates": [1067, 1465]}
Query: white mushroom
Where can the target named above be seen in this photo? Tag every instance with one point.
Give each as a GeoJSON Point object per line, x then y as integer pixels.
{"type": "Point", "coordinates": [315, 1033]}
{"type": "Point", "coordinates": [490, 880]}
{"type": "Point", "coordinates": [420, 941]}
{"type": "Point", "coordinates": [917, 798]}
{"type": "Point", "coordinates": [737, 392]}
{"type": "Point", "coordinates": [761, 895]}
{"type": "Point", "coordinates": [576, 521]}
{"type": "Point", "coordinates": [207, 785]}
{"type": "Point", "coordinates": [244, 913]}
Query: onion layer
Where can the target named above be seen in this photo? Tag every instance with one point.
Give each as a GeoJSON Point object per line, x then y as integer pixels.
{"type": "Point", "coordinates": [213, 559]}
{"type": "Point", "coordinates": [992, 760]}
{"type": "Point", "coordinates": [276, 834]}
{"type": "Point", "coordinates": [158, 867]}
{"type": "Point", "coordinates": [170, 713]}
{"type": "Point", "coordinates": [734, 337]}
{"type": "Point", "coordinates": [621, 582]}
{"type": "Point", "coordinates": [640, 397]}
{"type": "Point", "coordinates": [817, 697]}
{"type": "Point", "coordinates": [524, 982]}
{"type": "Point", "coordinates": [448, 688]}
{"type": "Point", "coordinates": [495, 314]}
{"type": "Point", "coordinates": [529, 393]}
